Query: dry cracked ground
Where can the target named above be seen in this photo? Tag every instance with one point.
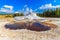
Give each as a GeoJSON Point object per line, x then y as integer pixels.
{"type": "Point", "coordinates": [24, 34]}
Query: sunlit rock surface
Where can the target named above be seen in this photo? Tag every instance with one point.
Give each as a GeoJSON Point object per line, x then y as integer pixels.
{"type": "Point", "coordinates": [24, 34]}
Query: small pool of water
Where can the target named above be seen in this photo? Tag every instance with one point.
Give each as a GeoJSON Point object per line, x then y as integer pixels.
{"type": "Point", "coordinates": [36, 26]}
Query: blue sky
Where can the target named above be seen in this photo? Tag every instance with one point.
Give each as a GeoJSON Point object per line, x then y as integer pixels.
{"type": "Point", "coordinates": [36, 5]}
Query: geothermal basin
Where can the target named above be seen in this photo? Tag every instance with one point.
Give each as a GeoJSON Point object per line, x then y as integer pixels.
{"type": "Point", "coordinates": [36, 26]}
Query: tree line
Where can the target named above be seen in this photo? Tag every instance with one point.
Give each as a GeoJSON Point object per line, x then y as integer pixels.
{"type": "Point", "coordinates": [50, 13]}
{"type": "Point", "coordinates": [12, 15]}
{"type": "Point", "coordinates": [46, 13]}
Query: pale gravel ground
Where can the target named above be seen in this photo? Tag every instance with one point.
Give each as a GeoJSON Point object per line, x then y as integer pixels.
{"type": "Point", "coordinates": [6, 34]}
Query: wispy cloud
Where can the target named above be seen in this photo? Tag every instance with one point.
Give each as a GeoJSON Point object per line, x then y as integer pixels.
{"type": "Point", "coordinates": [47, 6]}
{"type": "Point", "coordinates": [25, 5]}
{"type": "Point", "coordinates": [36, 9]}
{"type": "Point", "coordinates": [6, 8]}
{"type": "Point", "coordinates": [54, 0]}
{"type": "Point", "coordinates": [17, 12]}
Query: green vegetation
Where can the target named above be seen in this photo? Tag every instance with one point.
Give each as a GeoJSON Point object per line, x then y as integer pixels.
{"type": "Point", "coordinates": [11, 15]}
{"type": "Point", "coordinates": [50, 13]}
{"type": "Point", "coordinates": [18, 14]}
{"type": "Point", "coordinates": [46, 13]}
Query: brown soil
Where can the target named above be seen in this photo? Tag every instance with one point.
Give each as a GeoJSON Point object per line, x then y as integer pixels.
{"type": "Point", "coordinates": [49, 25]}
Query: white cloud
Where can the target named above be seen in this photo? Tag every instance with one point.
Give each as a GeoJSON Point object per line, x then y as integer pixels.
{"type": "Point", "coordinates": [57, 6]}
{"type": "Point", "coordinates": [47, 6]}
{"type": "Point", "coordinates": [6, 8]}
{"type": "Point", "coordinates": [3, 10]}
{"type": "Point", "coordinates": [16, 12]}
